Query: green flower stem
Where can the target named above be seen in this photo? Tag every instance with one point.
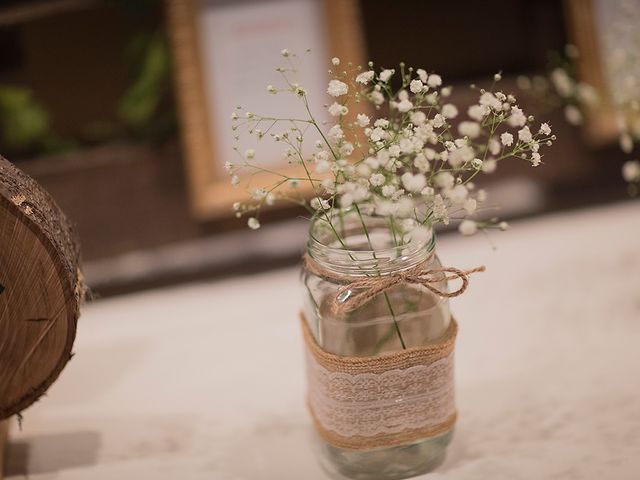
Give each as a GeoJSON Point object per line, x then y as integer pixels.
{"type": "Point", "coordinates": [386, 296]}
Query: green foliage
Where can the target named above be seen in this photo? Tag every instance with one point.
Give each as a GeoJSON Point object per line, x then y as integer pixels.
{"type": "Point", "coordinates": [24, 121]}
{"type": "Point", "coordinates": [151, 82]}
{"type": "Point", "coordinates": [26, 128]}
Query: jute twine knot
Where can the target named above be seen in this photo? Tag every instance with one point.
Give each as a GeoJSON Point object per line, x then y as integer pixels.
{"type": "Point", "coordinates": [354, 294]}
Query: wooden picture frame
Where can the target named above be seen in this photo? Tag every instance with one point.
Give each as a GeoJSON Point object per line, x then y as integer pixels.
{"type": "Point", "coordinates": [600, 126]}
{"type": "Point", "coordinates": [588, 31]}
{"type": "Point", "coordinates": [211, 194]}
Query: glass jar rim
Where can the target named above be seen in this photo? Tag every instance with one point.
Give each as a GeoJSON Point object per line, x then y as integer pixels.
{"type": "Point", "coordinates": [365, 261]}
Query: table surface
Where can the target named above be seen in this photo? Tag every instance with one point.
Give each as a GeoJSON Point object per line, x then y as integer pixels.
{"type": "Point", "coordinates": [205, 381]}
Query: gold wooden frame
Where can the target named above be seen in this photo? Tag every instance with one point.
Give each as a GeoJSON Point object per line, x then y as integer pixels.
{"type": "Point", "coordinates": [601, 126]}
{"type": "Point", "coordinates": [211, 194]}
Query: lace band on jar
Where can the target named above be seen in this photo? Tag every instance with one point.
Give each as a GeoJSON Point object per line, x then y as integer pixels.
{"type": "Point", "coordinates": [382, 401]}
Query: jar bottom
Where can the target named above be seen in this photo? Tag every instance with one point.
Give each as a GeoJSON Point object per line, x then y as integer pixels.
{"type": "Point", "coordinates": [392, 463]}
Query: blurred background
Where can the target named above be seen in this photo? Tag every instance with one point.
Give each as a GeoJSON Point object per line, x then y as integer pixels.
{"type": "Point", "coordinates": [115, 107]}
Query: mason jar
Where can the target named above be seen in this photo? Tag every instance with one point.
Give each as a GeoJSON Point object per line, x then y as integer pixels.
{"type": "Point", "coordinates": [346, 248]}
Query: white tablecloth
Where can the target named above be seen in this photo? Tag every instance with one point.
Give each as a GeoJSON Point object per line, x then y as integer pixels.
{"type": "Point", "coordinates": [206, 381]}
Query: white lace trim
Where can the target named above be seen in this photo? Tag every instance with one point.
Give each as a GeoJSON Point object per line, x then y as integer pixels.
{"type": "Point", "coordinates": [369, 404]}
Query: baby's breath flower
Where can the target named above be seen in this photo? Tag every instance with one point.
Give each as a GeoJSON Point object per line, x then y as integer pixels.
{"type": "Point", "coordinates": [253, 223]}
{"type": "Point", "coordinates": [418, 167]}
{"type": "Point", "coordinates": [457, 195]}
{"type": "Point", "coordinates": [336, 109]}
{"type": "Point", "coordinates": [449, 111]}
{"type": "Point", "coordinates": [322, 166]}
{"type": "Point", "coordinates": [469, 129]}
{"type": "Point", "coordinates": [468, 227]}
{"type": "Point", "coordinates": [524, 135]}
{"type": "Point", "coordinates": [388, 190]}
{"type": "Point", "coordinates": [444, 180]}
{"type": "Point", "coordinates": [284, 52]}
{"type": "Point", "coordinates": [507, 139]}
{"type": "Point", "coordinates": [335, 133]}
{"type": "Point", "coordinates": [377, 179]}
{"type": "Point", "coordinates": [434, 80]}
{"type": "Point", "coordinates": [362, 119]}
{"type": "Point", "coordinates": [460, 154]}
{"type": "Point", "coordinates": [321, 156]}
{"type": "Point", "coordinates": [413, 182]}
{"type": "Point", "coordinates": [545, 129]}
{"type": "Point", "coordinates": [470, 205]}
{"type": "Point", "coordinates": [346, 149]}
{"type": "Point", "coordinates": [270, 199]}
{"type": "Point", "coordinates": [365, 77]}
{"type": "Point", "coordinates": [377, 134]}
{"type": "Point", "coordinates": [404, 106]}
{"type": "Point", "coordinates": [489, 165]}
{"type": "Point", "coordinates": [494, 146]}
{"type": "Point", "coordinates": [476, 163]}
{"type": "Point", "coordinates": [439, 120]}
{"type": "Point", "coordinates": [517, 117]}
{"type": "Point", "coordinates": [626, 142]}
{"type": "Point", "coordinates": [535, 159]}
{"type": "Point", "coordinates": [337, 88]}
{"type": "Point", "coordinates": [427, 191]}
{"type": "Point", "coordinates": [440, 211]}
{"type": "Point", "coordinates": [376, 97]}
{"type": "Point", "coordinates": [259, 193]}
{"type": "Point", "coordinates": [421, 162]}
{"type": "Point", "coordinates": [386, 74]}
{"type": "Point", "coordinates": [573, 115]}
{"type": "Point", "coordinates": [329, 185]}
{"type": "Point", "coordinates": [478, 112]}
{"type": "Point", "coordinates": [318, 203]}
{"type": "Point", "coordinates": [416, 86]}
{"type": "Point", "coordinates": [562, 82]}
{"type": "Point", "coordinates": [503, 226]}
{"type": "Point", "coordinates": [418, 117]}
{"type": "Point", "coordinates": [631, 171]}
{"type": "Point", "coordinates": [489, 100]}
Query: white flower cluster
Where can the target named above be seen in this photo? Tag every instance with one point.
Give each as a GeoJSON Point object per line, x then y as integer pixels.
{"type": "Point", "coordinates": [631, 171]}
{"type": "Point", "coordinates": [417, 163]}
{"type": "Point", "coordinates": [561, 87]}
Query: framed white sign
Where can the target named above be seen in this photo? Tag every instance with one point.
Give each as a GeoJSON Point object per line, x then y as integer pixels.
{"type": "Point", "coordinates": [225, 55]}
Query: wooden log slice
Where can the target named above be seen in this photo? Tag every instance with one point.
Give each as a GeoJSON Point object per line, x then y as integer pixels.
{"type": "Point", "coordinates": [4, 437]}
{"type": "Point", "coordinates": [40, 290]}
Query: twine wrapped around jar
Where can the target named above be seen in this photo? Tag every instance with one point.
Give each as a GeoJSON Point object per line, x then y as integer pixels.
{"type": "Point", "coordinates": [367, 288]}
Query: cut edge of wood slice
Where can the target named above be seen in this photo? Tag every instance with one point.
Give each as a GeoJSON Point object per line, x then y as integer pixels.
{"type": "Point", "coordinates": [41, 290]}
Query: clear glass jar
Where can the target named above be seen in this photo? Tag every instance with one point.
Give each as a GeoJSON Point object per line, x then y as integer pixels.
{"type": "Point", "coordinates": [404, 316]}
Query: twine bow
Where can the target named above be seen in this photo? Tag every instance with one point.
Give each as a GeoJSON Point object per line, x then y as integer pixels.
{"type": "Point", "coordinates": [353, 295]}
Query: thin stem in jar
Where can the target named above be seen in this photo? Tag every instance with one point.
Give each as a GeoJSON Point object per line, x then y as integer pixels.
{"type": "Point", "coordinates": [386, 296]}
